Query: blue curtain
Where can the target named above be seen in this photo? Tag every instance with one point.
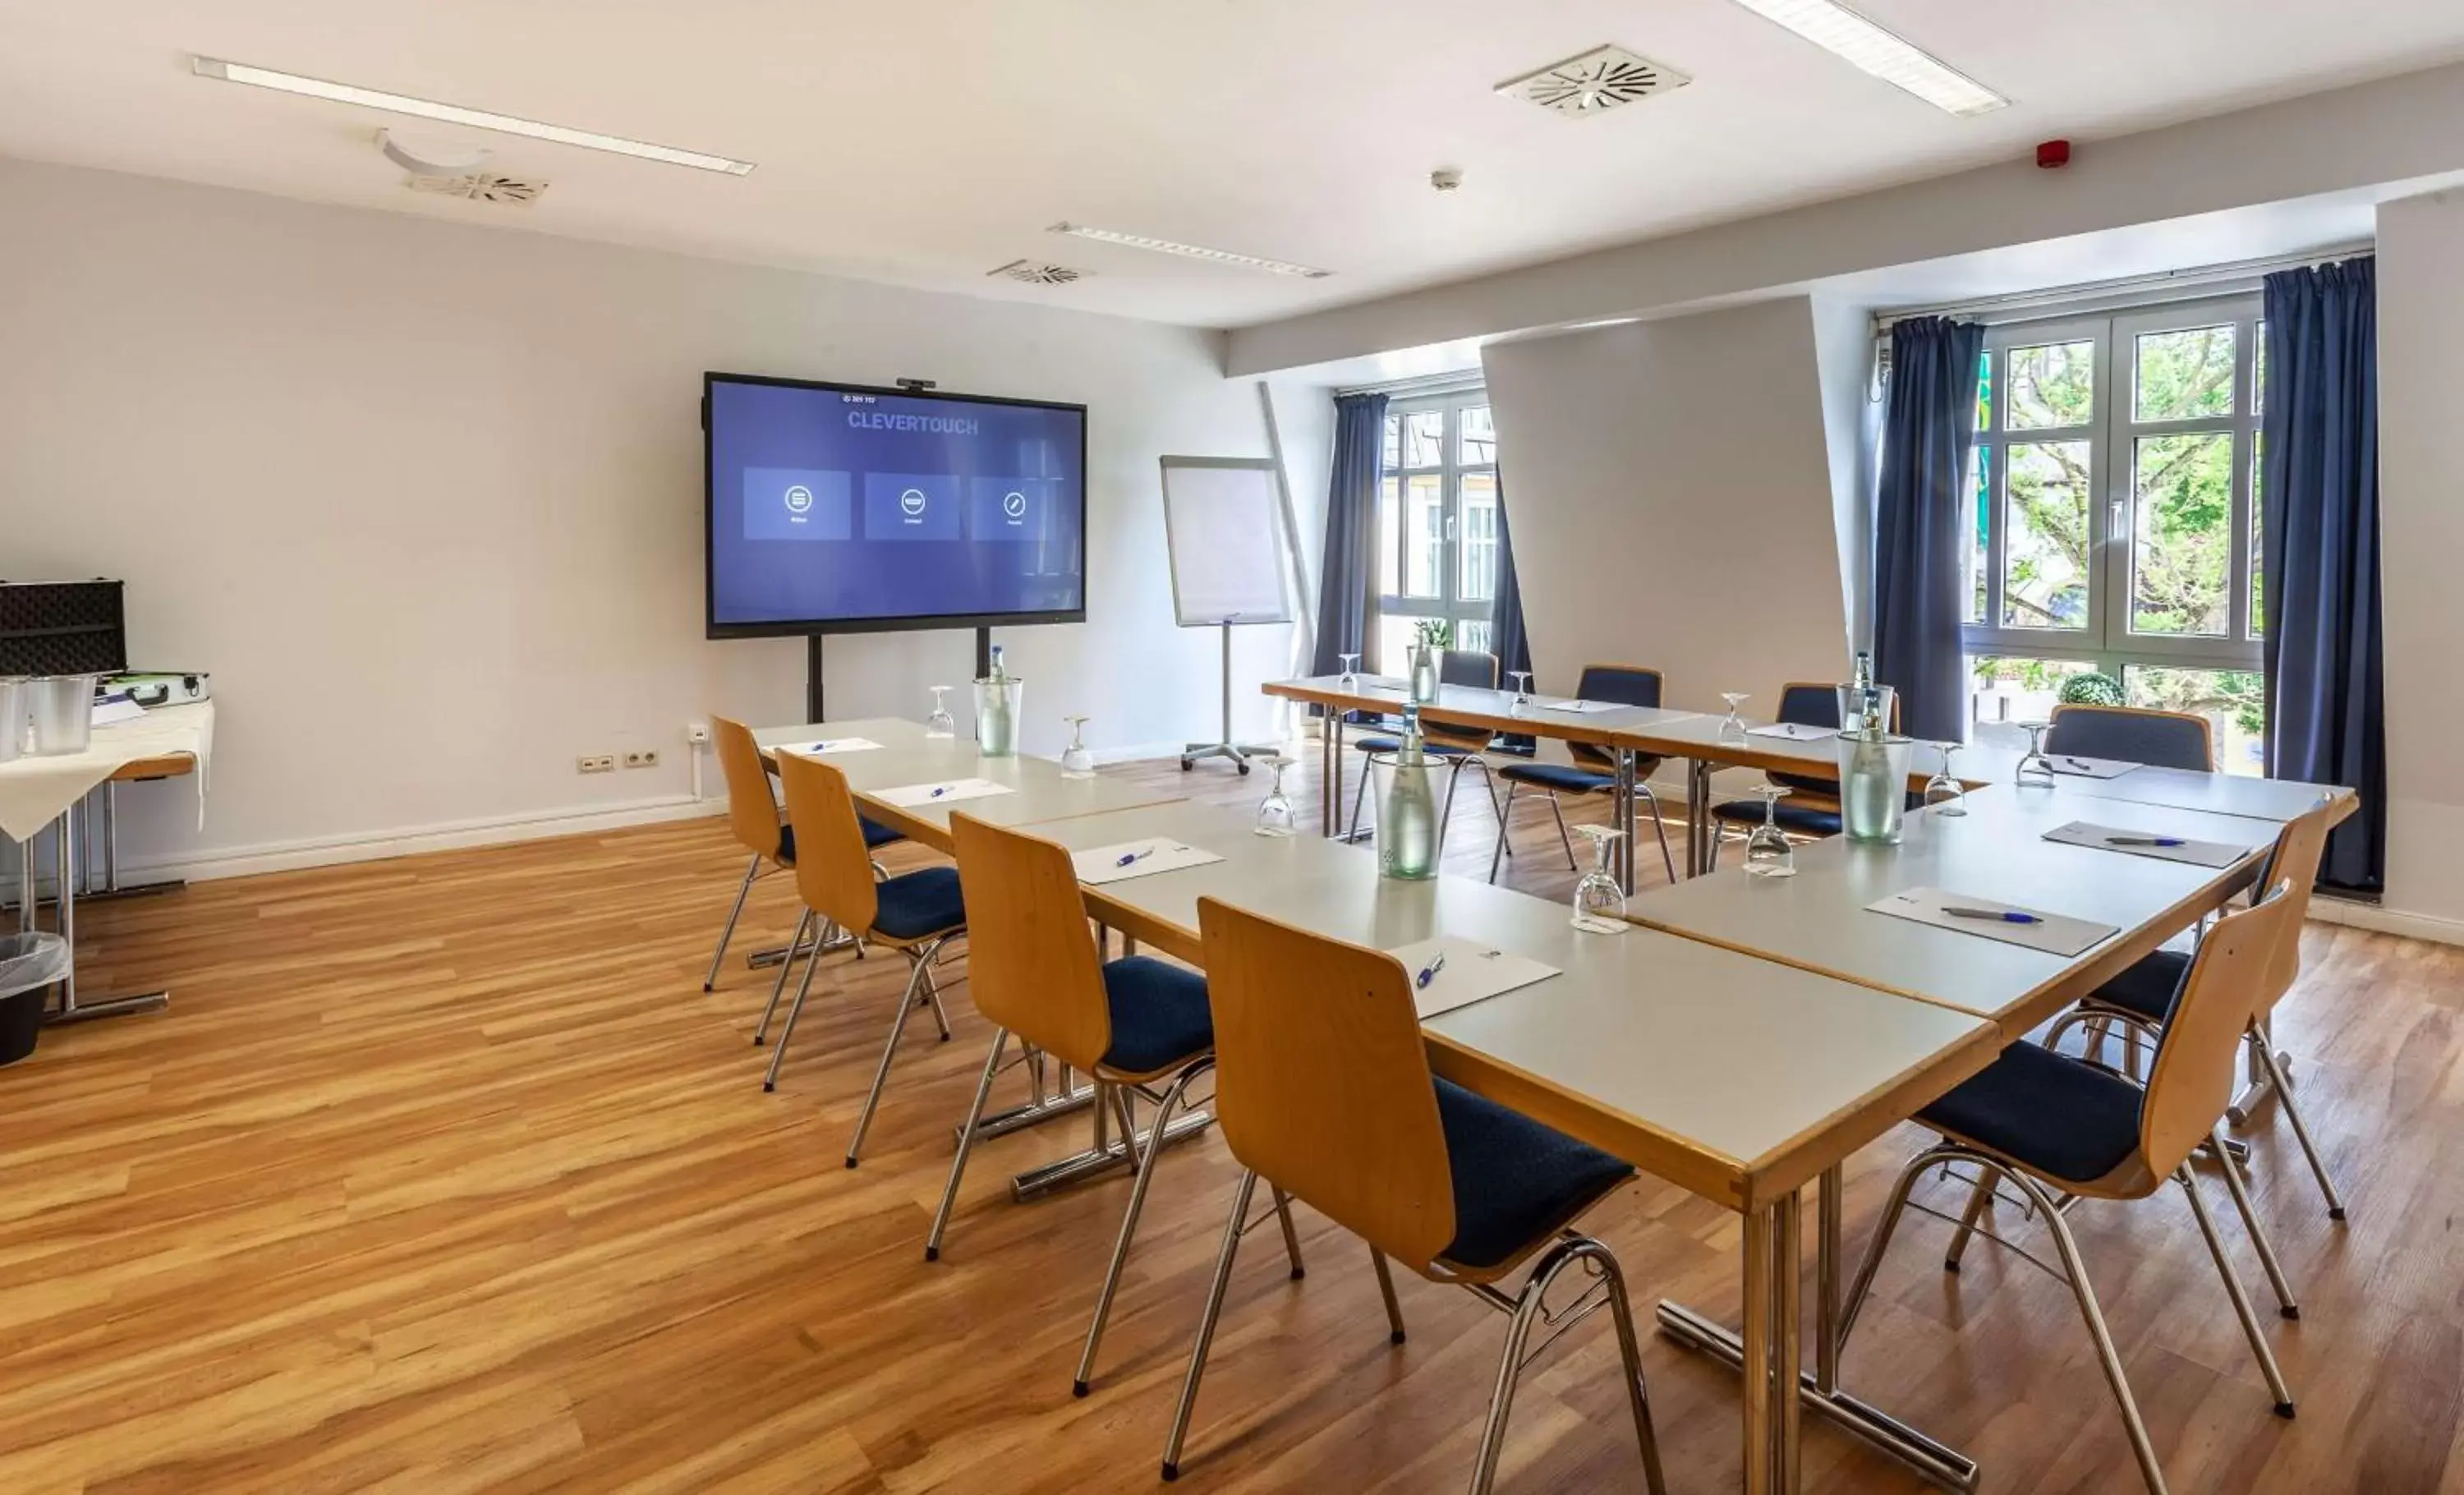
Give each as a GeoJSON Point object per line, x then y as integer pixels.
{"type": "Point", "coordinates": [2318, 490]}
{"type": "Point", "coordinates": [1920, 515]}
{"type": "Point", "coordinates": [1505, 636]}
{"type": "Point", "coordinates": [1350, 555]}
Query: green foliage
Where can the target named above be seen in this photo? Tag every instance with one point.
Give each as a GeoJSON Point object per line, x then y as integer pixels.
{"type": "Point", "coordinates": [2092, 690]}
{"type": "Point", "coordinates": [1435, 632]}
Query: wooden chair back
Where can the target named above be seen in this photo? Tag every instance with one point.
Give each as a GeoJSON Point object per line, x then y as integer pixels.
{"type": "Point", "coordinates": [833, 870]}
{"type": "Point", "coordinates": [2195, 1071]}
{"type": "Point", "coordinates": [1321, 1084]}
{"type": "Point", "coordinates": [1032, 966]}
{"type": "Point", "coordinates": [2134, 734]}
{"type": "Point", "coordinates": [752, 814]}
{"type": "Point", "coordinates": [1627, 685]}
{"type": "Point", "coordinates": [2294, 863]}
{"type": "Point", "coordinates": [1472, 666]}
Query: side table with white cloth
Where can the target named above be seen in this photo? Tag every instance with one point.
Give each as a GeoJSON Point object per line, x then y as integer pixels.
{"type": "Point", "coordinates": [40, 791]}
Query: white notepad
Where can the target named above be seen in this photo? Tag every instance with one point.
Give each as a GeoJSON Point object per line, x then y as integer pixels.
{"type": "Point", "coordinates": [2075, 767]}
{"type": "Point", "coordinates": [823, 745]}
{"type": "Point", "coordinates": [2054, 934]}
{"type": "Point", "coordinates": [1579, 707]}
{"type": "Point", "coordinates": [916, 795]}
{"type": "Point", "coordinates": [1792, 732]}
{"type": "Point", "coordinates": [1470, 971]}
{"type": "Point", "coordinates": [1113, 864]}
{"type": "Point", "coordinates": [2120, 838]}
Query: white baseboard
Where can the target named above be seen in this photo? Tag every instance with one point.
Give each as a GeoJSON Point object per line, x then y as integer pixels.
{"type": "Point", "coordinates": [283, 856]}
{"type": "Point", "coordinates": [2387, 921]}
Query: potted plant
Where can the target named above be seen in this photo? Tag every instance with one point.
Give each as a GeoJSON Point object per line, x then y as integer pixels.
{"type": "Point", "coordinates": [1430, 637]}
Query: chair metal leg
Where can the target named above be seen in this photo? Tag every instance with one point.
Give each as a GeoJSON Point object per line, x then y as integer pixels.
{"type": "Point", "coordinates": [735, 912]}
{"type": "Point", "coordinates": [1173, 1100]}
{"type": "Point", "coordinates": [966, 1142]}
{"type": "Point", "coordinates": [1529, 1310]}
{"type": "Point", "coordinates": [1498, 855]}
{"type": "Point", "coordinates": [2283, 1083]}
{"type": "Point", "coordinates": [1292, 1237]}
{"type": "Point", "coordinates": [2063, 1025]}
{"type": "Point", "coordinates": [933, 996]}
{"type": "Point", "coordinates": [1978, 1203]}
{"type": "Point", "coordinates": [920, 956]}
{"type": "Point", "coordinates": [1206, 1322]}
{"type": "Point", "coordinates": [1360, 798]}
{"type": "Point", "coordinates": [2140, 1445]}
{"type": "Point", "coordinates": [795, 1009]}
{"type": "Point", "coordinates": [1565, 838]}
{"type": "Point", "coordinates": [2258, 1347]}
{"type": "Point", "coordinates": [2286, 1304]}
{"type": "Point", "coordinates": [1386, 1291]}
{"type": "Point", "coordinates": [778, 983]}
{"type": "Point", "coordinates": [1659, 828]}
{"type": "Point", "coordinates": [1446, 810]}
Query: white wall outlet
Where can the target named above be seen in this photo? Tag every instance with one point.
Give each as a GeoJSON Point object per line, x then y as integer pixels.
{"type": "Point", "coordinates": [697, 732]}
{"type": "Point", "coordinates": [642, 758]}
{"type": "Point", "coordinates": [597, 763]}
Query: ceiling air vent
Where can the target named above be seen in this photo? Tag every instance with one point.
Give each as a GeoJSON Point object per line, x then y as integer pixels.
{"type": "Point", "coordinates": [1036, 272]}
{"type": "Point", "coordinates": [1595, 82]}
{"type": "Point", "coordinates": [479, 187]}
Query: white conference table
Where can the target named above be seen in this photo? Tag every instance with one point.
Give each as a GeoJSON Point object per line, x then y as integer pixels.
{"type": "Point", "coordinates": [1736, 1078]}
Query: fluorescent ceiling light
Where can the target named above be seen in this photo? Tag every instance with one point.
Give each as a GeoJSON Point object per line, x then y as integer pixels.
{"type": "Point", "coordinates": [455, 114]}
{"type": "Point", "coordinates": [1835, 27]}
{"type": "Point", "coordinates": [1279, 267]}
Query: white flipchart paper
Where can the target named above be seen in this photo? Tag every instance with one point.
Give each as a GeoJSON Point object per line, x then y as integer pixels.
{"type": "Point", "coordinates": [2056, 935]}
{"type": "Point", "coordinates": [1473, 972]}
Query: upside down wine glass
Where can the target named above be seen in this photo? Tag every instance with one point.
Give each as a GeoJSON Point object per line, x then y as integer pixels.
{"type": "Point", "coordinates": [941, 724]}
{"type": "Point", "coordinates": [1599, 903]}
{"type": "Point", "coordinates": [1943, 793]}
{"type": "Point", "coordinates": [1349, 679]}
{"type": "Point", "coordinates": [1732, 727]}
{"type": "Point", "coordinates": [1522, 690]}
{"type": "Point", "coordinates": [1275, 811]}
{"type": "Point", "coordinates": [2035, 770]}
{"type": "Point", "coordinates": [1768, 854]}
{"type": "Point", "coordinates": [1077, 761]}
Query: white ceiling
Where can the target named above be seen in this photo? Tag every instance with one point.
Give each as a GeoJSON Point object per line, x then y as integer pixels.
{"type": "Point", "coordinates": [925, 143]}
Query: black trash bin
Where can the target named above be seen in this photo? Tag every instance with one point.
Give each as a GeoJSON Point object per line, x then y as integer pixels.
{"type": "Point", "coordinates": [30, 964]}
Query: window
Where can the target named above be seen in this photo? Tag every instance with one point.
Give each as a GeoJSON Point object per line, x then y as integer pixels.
{"type": "Point", "coordinates": [1436, 523]}
{"type": "Point", "coordinates": [2115, 479]}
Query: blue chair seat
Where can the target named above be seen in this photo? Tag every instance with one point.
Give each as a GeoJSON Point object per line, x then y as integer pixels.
{"type": "Point", "coordinates": [876, 834]}
{"type": "Point", "coordinates": [2147, 988]}
{"type": "Point", "coordinates": [1796, 818]}
{"type": "Point", "coordinates": [1558, 778]}
{"type": "Point", "coordinates": [1396, 746]}
{"type": "Point", "coordinates": [917, 904]}
{"type": "Point", "coordinates": [1159, 1014]}
{"type": "Point", "coordinates": [1515, 1179]}
{"type": "Point", "coordinates": [2056, 1115]}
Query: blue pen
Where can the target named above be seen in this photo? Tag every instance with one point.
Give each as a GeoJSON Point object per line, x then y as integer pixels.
{"type": "Point", "coordinates": [940, 789]}
{"type": "Point", "coordinates": [2009, 916]}
{"type": "Point", "coordinates": [2144, 841]}
{"type": "Point", "coordinates": [1429, 972]}
{"type": "Point", "coordinates": [1135, 856]}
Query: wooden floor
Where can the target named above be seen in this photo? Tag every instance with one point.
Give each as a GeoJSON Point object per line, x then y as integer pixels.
{"type": "Point", "coordinates": [442, 1174]}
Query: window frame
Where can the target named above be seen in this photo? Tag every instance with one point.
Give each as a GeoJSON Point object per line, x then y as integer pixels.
{"type": "Point", "coordinates": [2112, 433]}
{"type": "Point", "coordinates": [1450, 471]}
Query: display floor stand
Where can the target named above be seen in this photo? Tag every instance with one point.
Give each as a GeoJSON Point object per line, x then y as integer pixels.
{"type": "Point", "coordinates": [1239, 752]}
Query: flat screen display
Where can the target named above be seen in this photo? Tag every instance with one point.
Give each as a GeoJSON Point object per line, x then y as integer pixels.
{"type": "Point", "coordinates": [841, 508]}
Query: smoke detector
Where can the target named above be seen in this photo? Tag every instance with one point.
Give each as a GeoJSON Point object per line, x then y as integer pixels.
{"type": "Point", "coordinates": [479, 187]}
{"type": "Point", "coordinates": [431, 156]}
{"type": "Point", "coordinates": [1036, 272]}
{"type": "Point", "coordinates": [1593, 82]}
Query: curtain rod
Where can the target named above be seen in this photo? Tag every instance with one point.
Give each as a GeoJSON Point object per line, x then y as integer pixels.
{"type": "Point", "coordinates": [2195, 284]}
{"type": "Point", "coordinates": [1455, 383]}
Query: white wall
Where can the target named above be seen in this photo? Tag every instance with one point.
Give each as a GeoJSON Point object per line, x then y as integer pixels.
{"type": "Point", "coordinates": [2421, 501]}
{"type": "Point", "coordinates": [355, 463]}
{"type": "Point", "coordinates": [1671, 495]}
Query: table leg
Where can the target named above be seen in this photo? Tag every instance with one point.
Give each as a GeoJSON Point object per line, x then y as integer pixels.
{"type": "Point", "coordinates": [1826, 1283]}
{"type": "Point", "coordinates": [72, 1010]}
{"type": "Point", "coordinates": [1624, 805]}
{"type": "Point", "coordinates": [1698, 817]}
{"type": "Point", "coordinates": [1786, 1340]}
